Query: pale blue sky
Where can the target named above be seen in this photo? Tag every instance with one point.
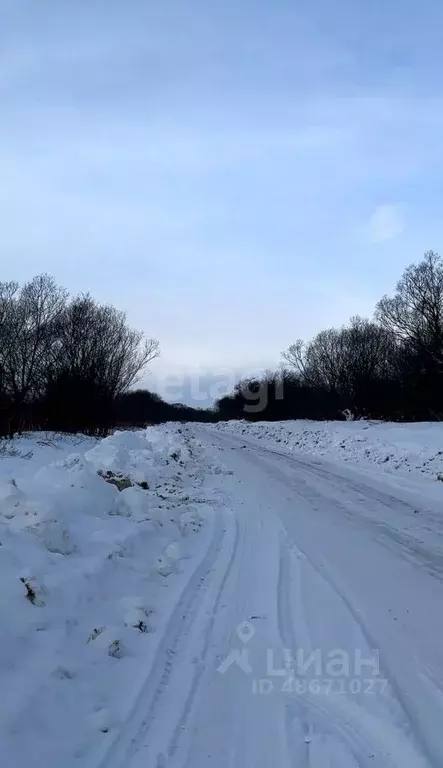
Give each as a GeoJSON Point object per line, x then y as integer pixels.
{"type": "Point", "coordinates": [233, 174]}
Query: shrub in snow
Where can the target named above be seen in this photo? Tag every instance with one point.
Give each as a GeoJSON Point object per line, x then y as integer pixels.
{"type": "Point", "coordinates": [96, 632]}
{"type": "Point", "coordinates": [104, 641]}
{"type": "Point", "coordinates": [120, 481]}
{"type": "Point", "coordinates": [141, 625]}
{"type": "Point", "coordinates": [8, 449]}
{"type": "Point", "coordinates": [136, 614]}
{"type": "Point", "coordinates": [33, 592]}
{"type": "Point", "coordinates": [115, 650]}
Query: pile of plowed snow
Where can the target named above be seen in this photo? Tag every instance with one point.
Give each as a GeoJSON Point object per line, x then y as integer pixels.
{"type": "Point", "coordinates": [95, 547]}
{"type": "Point", "coordinates": [405, 448]}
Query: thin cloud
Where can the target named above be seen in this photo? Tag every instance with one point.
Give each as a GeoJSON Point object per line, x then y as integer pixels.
{"type": "Point", "coordinates": [386, 222]}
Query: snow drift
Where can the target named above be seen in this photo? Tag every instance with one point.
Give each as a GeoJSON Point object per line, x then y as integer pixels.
{"type": "Point", "coordinates": [400, 448]}
{"type": "Point", "coordinates": [94, 546]}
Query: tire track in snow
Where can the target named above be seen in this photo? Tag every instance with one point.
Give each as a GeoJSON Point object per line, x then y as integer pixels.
{"type": "Point", "coordinates": [417, 729]}
{"type": "Point", "coordinates": [331, 723]}
{"type": "Point", "coordinates": [126, 741]}
{"type": "Point", "coordinates": [411, 547]}
{"type": "Point", "coordinates": [297, 744]}
{"type": "Point", "coordinates": [314, 734]}
{"type": "Point", "coordinates": [200, 667]}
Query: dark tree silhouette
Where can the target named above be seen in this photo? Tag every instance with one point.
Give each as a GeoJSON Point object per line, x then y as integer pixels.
{"type": "Point", "coordinates": [390, 367]}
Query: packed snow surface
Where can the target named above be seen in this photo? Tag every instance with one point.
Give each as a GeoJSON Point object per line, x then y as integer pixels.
{"type": "Point", "coordinates": [234, 596]}
{"type": "Point", "coordinates": [402, 448]}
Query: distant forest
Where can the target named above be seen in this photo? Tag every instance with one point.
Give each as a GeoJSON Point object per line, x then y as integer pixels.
{"type": "Point", "coordinates": [388, 367]}
{"type": "Point", "coordinates": [71, 364]}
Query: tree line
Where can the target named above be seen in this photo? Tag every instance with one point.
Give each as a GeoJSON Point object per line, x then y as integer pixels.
{"type": "Point", "coordinates": [387, 367]}
{"type": "Point", "coordinates": [70, 364]}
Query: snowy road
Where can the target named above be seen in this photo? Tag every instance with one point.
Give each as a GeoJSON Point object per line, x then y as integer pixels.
{"type": "Point", "coordinates": [309, 634]}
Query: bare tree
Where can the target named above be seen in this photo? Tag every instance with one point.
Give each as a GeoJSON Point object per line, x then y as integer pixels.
{"type": "Point", "coordinates": [68, 360]}
{"type": "Point", "coordinates": [30, 322]}
{"type": "Point", "coordinates": [368, 351]}
{"type": "Point", "coordinates": [7, 295]}
{"type": "Point", "coordinates": [318, 363]}
{"type": "Point", "coordinates": [95, 342]}
{"type": "Point", "coordinates": [415, 312]}
{"type": "Point", "coordinates": [346, 360]}
{"type": "Point", "coordinates": [295, 357]}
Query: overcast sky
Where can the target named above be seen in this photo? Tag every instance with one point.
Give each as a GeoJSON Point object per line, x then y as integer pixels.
{"type": "Point", "coordinates": [234, 175]}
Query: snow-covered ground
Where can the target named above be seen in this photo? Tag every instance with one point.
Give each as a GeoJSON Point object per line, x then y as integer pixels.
{"type": "Point", "coordinates": [193, 596]}
{"type": "Point", "coordinates": [404, 448]}
{"type": "Point", "coordinates": [97, 540]}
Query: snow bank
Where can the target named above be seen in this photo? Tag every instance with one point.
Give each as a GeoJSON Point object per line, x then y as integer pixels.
{"type": "Point", "coordinates": [400, 448]}
{"type": "Point", "coordinates": [95, 546]}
